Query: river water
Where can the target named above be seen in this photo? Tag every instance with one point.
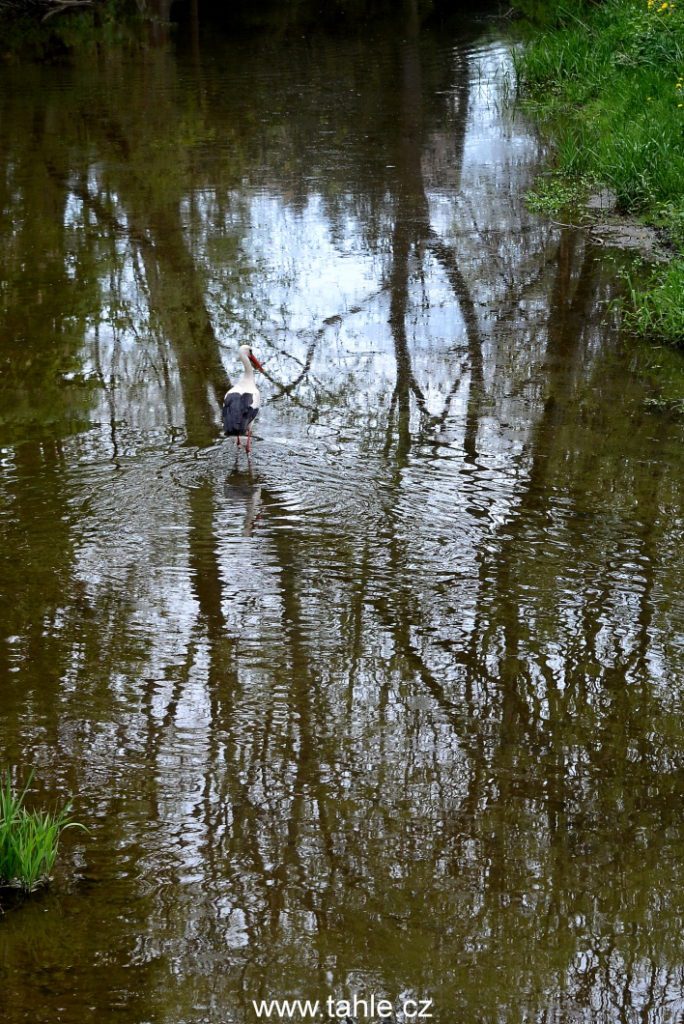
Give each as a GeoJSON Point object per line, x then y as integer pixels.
{"type": "Point", "coordinates": [393, 707]}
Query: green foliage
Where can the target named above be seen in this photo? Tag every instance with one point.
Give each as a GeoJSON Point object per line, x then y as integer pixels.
{"type": "Point", "coordinates": [608, 85]}
{"type": "Point", "coordinates": [45, 30]}
{"type": "Point", "coordinates": [671, 217]}
{"type": "Point", "coordinates": [29, 840]}
{"type": "Point", "coordinates": [551, 13]}
{"type": "Point", "coordinates": [657, 311]}
{"type": "Point", "coordinates": [620, 68]}
{"type": "Point", "coordinates": [553, 194]}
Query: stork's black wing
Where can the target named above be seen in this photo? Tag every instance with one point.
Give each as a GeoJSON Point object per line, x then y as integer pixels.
{"type": "Point", "coordinates": [237, 413]}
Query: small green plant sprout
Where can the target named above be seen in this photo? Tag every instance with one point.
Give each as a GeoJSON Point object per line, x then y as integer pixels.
{"type": "Point", "coordinates": [29, 840]}
{"type": "Point", "coordinates": [556, 193]}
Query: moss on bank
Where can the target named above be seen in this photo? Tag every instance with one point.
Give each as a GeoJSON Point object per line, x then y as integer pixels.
{"type": "Point", "coordinates": [607, 79]}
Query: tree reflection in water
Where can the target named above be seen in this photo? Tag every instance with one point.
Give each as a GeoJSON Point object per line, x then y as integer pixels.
{"type": "Point", "coordinates": [397, 705]}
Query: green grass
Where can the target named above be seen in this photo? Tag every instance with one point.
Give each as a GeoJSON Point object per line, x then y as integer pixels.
{"type": "Point", "coordinates": [608, 83]}
{"type": "Point", "coordinates": [29, 840]}
{"type": "Point", "coordinates": [656, 311]}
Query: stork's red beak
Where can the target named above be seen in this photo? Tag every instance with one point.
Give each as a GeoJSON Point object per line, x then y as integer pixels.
{"type": "Point", "coordinates": [255, 362]}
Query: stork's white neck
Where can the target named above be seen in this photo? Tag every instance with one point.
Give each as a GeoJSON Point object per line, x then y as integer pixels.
{"type": "Point", "coordinates": [249, 369]}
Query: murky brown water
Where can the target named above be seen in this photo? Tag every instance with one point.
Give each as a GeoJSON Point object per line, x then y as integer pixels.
{"type": "Point", "coordinates": [395, 708]}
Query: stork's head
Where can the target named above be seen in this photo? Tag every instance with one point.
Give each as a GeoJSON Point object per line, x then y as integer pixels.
{"type": "Point", "coordinates": [248, 357]}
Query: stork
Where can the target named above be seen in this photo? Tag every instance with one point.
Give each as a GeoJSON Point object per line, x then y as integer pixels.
{"type": "Point", "coordinates": [241, 404]}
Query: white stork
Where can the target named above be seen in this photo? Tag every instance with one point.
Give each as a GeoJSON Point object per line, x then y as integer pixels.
{"type": "Point", "coordinates": [241, 404]}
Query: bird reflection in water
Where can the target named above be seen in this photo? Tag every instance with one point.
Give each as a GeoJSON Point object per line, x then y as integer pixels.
{"type": "Point", "coordinates": [243, 489]}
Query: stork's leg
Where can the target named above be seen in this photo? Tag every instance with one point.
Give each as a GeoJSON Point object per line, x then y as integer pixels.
{"type": "Point", "coordinates": [249, 439]}
{"type": "Point", "coordinates": [237, 438]}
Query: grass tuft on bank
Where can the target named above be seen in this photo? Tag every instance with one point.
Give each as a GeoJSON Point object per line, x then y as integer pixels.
{"type": "Point", "coordinates": [29, 840]}
{"type": "Point", "coordinates": [608, 80]}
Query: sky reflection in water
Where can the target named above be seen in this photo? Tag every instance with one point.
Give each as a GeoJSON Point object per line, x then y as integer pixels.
{"type": "Point", "coordinates": [396, 706]}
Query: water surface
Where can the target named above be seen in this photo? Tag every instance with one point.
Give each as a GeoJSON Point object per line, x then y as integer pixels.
{"type": "Point", "coordinates": [395, 706]}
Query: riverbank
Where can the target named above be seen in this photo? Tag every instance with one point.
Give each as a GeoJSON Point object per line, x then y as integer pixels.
{"type": "Point", "coordinates": [607, 82]}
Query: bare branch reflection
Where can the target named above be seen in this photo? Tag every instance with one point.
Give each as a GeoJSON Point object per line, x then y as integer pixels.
{"type": "Point", "coordinates": [395, 704]}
